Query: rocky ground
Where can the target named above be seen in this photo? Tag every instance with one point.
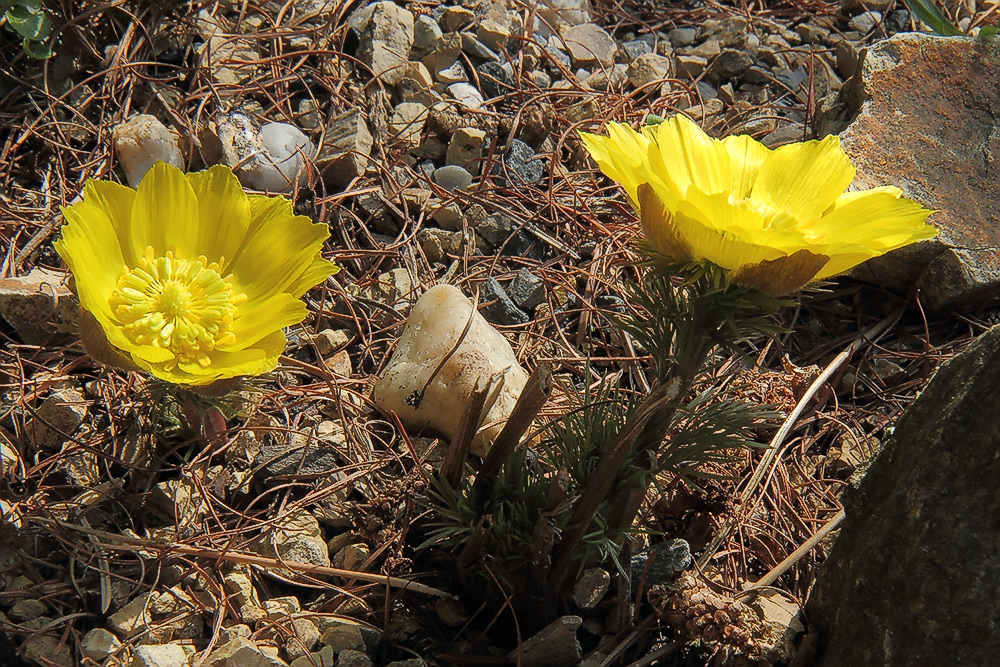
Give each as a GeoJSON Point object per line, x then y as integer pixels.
{"type": "Point", "coordinates": [446, 150]}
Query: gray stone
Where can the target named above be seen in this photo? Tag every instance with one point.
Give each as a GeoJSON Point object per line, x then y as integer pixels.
{"type": "Point", "coordinates": [58, 418]}
{"type": "Point", "coordinates": [519, 160]}
{"type": "Point", "coordinates": [386, 39]}
{"type": "Point", "coordinates": [559, 55]}
{"type": "Point", "coordinates": [321, 658]}
{"type": "Point", "coordinates": [897, 21]}
{"type": "Point", "coordinates": [910, 579]}
{"type": "Point", "coordinates": [591, 587]}
{"type": "Point", "coordinates": [791, 78]}
{"type": "Point", "coordinates": [494, 79]}
{"type": "Point", "coordinates": [731, 63]}
{"type": "Point", "coordinates": [466, 94]}
{"type": "Point", "coordinates": [426, 34]}
{"type": "Point", "coordinates": [440, 245]}
{"type": "Point", "coordinates": [343, 636]}
{"type": "Point", "coordinates": [159, 655]}
{"type": "Point", "coordinates": [472, 46]}
{"type": "Point", "coordinates": [500, 234]}
{"type": "Point", "coordinates": [633, 49]}
{"type": "Point", "coordinates": [412, 662]}
{"type": "Point", "coordinates": [251, 656]}
{"type": "Point", "coordinates": [852, 7]}
{"type": "Point", "coordinates": [407, 123]}
{"type": "Point", "coordinates": [648, 68]}
{"type": "Point", "coordinates": [499, 308]}
{"type": "Point", "coordinates": [98, 644]}
{"type": "Point", "coordinates": [353, 659]}
{"type": "Point", "coordinates": [455, 73]}
{"type": "Point", "coordinates": [680, 37]}
{"type": "Point", "coordinates": [527, 290]}
{"type": "Point", "coordinates": [26, 609]}
{"type": "Point", "coordinates": [555, 645]}
{"type": "Point", "coordinates": [452, 177]}
{"type": "Point", "coordinates": [926, 121]}
{"type": "Point", "coordinates": [300, 456]}
{"type": "Point", "coordinates": [347, 145]}
{"type": "Point", "coordinates": [47, 650]}
{"type": "Point", "coordinates": [590, 45]}
{"type": "Point", "coordinates": [691, 66]}
{"type": "Point", "coordinates": [665, 561]}
{"type": "Point", "coordinates": [865, 22]}
{"type": "Point", "coordinates": [813, 34]}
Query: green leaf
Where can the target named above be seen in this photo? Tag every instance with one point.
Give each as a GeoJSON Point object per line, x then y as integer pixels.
{"type": "Point", "coordinates": [37, 50]}
{"type": "Point", "coordinates": [927, 11]}
{"type": "Point", "coordinates": [29, 25]}
{"type": "Point", "coordinates": [989, 31]}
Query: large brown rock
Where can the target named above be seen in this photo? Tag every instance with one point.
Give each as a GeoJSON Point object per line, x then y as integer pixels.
{"type": "Point", "coordinates": [926, 120]}
{"type": "Point", "coordinates": [912, 578]}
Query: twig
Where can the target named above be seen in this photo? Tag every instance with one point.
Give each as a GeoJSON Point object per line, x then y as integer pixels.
{"type": "Point", "coordinates": [536, 391]}
{"type": "Point", "coordinates": [801, 551]}
{"type": "Point", "coordinates": [115, 542]}
{"type": "Point", "coordinates": [775, 448]}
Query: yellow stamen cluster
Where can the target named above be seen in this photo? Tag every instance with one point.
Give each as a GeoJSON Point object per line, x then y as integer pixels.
{"type": "Point", "coordinates": [183, 306]}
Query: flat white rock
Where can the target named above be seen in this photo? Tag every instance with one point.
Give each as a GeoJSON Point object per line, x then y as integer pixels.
{"type": "Point", "coordinates": [432, 332]}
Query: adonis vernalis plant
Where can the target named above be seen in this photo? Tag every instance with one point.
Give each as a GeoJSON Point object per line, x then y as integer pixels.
{"type": "Point", "coordinates": [772, 219]}
{"type": "Point", "coordinates": [188, 277]}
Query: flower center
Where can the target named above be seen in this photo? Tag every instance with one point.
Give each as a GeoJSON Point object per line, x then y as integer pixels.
{"type": "Point", "coordinates": [183, 306]}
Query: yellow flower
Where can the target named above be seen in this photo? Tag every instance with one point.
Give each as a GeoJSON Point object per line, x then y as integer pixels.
{"type": "Point", "coordinates": [187, 276]}
{"type": "Point", "coordinates": [775, 219]}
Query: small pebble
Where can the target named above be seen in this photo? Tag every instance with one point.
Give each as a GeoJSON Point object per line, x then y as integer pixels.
{"type": "Point", "coordinates": [452, 177]}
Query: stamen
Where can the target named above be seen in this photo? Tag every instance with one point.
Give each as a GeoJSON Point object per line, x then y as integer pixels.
{"type": "Point", "coordinates": [183, 306]}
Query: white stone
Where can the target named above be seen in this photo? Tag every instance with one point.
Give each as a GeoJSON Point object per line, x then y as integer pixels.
{"type": "Point", "coordinates": [483, 357]}
{"type": "Point", "coordinates": [466, 94]}
{"type": "Point", "coordinates": [142, 141]}
{"type": "Point", "coordinates": [272, 157]}
{"type": "Point", "coordinates": [98, 644]}
{"type": "Point", "coordinates": [287, 152]}
{"type": "Point", "coordinates": [159, 655]}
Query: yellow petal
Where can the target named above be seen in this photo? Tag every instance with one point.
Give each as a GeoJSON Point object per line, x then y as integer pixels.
{"type": "Point", "coordinates": [718, 245]}
{"type": "Point", "coordinates": [280, 247]}
{"type": "Point", "coordinates": [804, 178]}
{"type": "Point", "coordinates": [776, 277]}
{"type": "Point", "coordinates": [315, 273]}
{"type": "Point", "coordinates": [870, 223]}
{"type": "Point", "coordinates": [116, 201]}
{"type": "Point", "coordinates": [263, 318]}
{"type": "Point", "coordinates": [165, 213]}
{"type": "Point", "coordinates": [223, 212]}
{"type": "Point", "coordinates": [623, 156]}
{"type": "Point", "coordinates": [746, 155]}
{"type": "Point", "coordinates": [89, 246]}
{"type": "Point", "coordinates": [684, 156]}
{"type": "Point", "coordinates": [657, 224]}
{"type": "Point", "coordinates": [261, 358]}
